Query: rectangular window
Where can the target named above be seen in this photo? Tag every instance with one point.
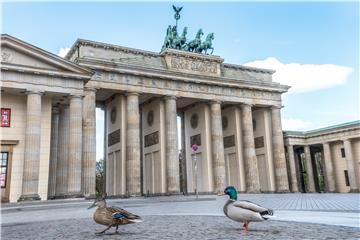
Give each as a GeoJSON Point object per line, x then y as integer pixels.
{"type": "Point", "coordinates": [346, 178]}
{"type": "Point", "coordinates": [342, 152]}
{"type": "Point", "coordinates": [3, 168]}
{"type": "Point", "coordinates": [5, 117]}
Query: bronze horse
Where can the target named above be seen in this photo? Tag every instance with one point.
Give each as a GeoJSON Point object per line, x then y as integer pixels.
{"type": "Point", "coordinates": [206, 45]}
{"type": "Point", "coordinates": [179, 41]}
{"type": "Point", "coordinates": [194, 44]}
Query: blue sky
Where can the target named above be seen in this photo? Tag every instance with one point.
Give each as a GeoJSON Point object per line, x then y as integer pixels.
{"type": "Point", "coordinates": [314, 46]}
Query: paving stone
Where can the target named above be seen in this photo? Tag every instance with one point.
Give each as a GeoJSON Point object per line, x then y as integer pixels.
{"type": "Point", "coordinates": [177, 227]}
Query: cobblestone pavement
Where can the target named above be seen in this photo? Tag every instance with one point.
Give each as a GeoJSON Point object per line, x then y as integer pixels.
{"type": "Point", "coordinates": [177, 227]}
{"type": "Point", "coordinates": [334, 209]}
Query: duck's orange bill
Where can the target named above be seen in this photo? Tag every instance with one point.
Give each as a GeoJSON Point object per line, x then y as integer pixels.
{"type": "Point", "coordinates": [221, 194]}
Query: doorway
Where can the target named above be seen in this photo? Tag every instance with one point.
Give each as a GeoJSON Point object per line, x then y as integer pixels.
{"type": "Point", "coordinates": [5, 171]}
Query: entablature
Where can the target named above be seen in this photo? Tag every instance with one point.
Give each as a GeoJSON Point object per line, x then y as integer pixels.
{"type": "Point", "coordinates": [120, 68]}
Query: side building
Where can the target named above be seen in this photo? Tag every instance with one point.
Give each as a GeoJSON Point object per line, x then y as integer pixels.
{"type": "Point", "coordinates": [41, 124]}
{"type": "Point", "coordinates": [325, 159]}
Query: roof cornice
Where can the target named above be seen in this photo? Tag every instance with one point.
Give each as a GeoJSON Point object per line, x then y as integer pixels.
{"type": "Point", "coordinates": [83, 42]}
{"type": "Point", "coordinates": [324, 131]}
{"type": "Point", "coordinates": [43, 72]}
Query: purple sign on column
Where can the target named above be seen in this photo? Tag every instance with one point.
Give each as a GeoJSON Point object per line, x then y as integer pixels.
{"type": "Point", "coordinates": [195, 147]}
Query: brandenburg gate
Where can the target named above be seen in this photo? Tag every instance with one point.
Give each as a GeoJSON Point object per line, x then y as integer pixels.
{"type": "Point", "coordinates": [231, 112]}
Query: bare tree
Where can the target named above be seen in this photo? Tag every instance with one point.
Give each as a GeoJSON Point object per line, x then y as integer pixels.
{"type": "Point", "coordinates": [99, 177]}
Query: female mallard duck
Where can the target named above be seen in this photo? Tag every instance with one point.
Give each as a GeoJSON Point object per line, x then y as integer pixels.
{"type": "Point", "coordinates": [244, 211]}
{"type": "Point", "coordinates": [112, 216]}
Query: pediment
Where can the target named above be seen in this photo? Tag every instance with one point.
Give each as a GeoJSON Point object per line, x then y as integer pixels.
{"type": "Point", "coordinates": [12, 56]}
{"type": "Point", "coordinates": [16, 53]}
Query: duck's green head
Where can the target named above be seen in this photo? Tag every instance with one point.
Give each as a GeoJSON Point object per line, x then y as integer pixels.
{"type": "Point", "coordinates": [231, 191]}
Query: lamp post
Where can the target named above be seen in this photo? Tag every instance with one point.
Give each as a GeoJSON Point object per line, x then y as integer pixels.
{"type": "Point", "coordinates": [195, 147]}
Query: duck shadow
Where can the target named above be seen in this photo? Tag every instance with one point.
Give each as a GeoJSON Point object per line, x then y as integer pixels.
{"type": "Point", "coordinates": [251, 230]}
{"type": "Point", "coordinates": [113, 234]}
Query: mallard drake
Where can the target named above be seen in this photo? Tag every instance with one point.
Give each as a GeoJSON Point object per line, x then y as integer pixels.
{"type": "Point", "coordinates": [244, 211]}
{"type": "Point", "coordinates": [112, 216]}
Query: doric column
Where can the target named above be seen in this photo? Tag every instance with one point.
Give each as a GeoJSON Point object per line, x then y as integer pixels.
{"type": "Point", "coordinates": [75, 147]}
{"type": "Point", "coordinates": [89, 142]}
{"type": "Point", "coordinates": [309, 169]}
{"type": "Point", "coordinates": [281, 177]}
{"type": "Point", "coordinates": [30, 179]}
{"type": "Point", "coordinates": [329, 169]}
{"type": "Point", "coordinates": [53, 151]}
{"type": "Point", "coordinates": [239, 146]}
{"type": "Point", "coordinates": [172, 152]}
{"type": "Point", "coordinates": [217, 148]}
{"type": "Point", "coordinates": [350, 165]}
{"type": "Point", "coordinates": [133, 144]}
{"type": "Point", "coordinates": [294, 183]}
{"type": "Point", "coordinates": [251, 165]}
{"type": "Point", "coordinates": [110, 174]}
{"type": "Point", "coordinates": [62, 155]}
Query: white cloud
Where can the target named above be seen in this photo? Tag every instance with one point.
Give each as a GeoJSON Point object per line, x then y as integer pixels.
{"type": "Point", "coordinates": [295, 124]}
{"type": "Point", "coordinates": [304, 77]}
{"type": "Point", "coordinates": [63, 51]}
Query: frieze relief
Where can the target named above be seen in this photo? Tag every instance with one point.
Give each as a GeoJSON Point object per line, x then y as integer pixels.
{"type": "Point", "coordinates": [182, 63]}
{"type": "Point", "coordinates": [6, 56]}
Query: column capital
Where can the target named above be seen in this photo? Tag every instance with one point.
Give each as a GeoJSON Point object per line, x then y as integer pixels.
{"type": "Point", "coordinates": [216, 102]}
{"type": "Point", "coordinates": [132, 94]}
{"type": "Point", "coordinates": [75, 96]}
{"type": "Point", "coordinates": [27, 92]}
{"type": "Point", "coordinates": [276, 107]}
{"type": "Point", "coordinates": [55, 110]}
{"type": "Point", "coordinates": [169, 97]}
{"type": "Point", "coordinates": [91, 89]}
{"type": "Point", "coordinates": [306, 146]}
{"type": "Point", "coordinates": [246, 105]}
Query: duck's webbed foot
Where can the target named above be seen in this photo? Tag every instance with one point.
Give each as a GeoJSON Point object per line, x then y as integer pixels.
{"type": "Point", "coordinates": [246, 227]}
{"type": "Point", "coordinates": [102, 232]}
{"type": "Point", "coordinates": [116, 230]}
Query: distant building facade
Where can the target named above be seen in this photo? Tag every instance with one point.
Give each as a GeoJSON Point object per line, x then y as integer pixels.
{"type": "Point", "coordinates": [231, 112]}
{"type": "Point", "coordinates": [325, 159]}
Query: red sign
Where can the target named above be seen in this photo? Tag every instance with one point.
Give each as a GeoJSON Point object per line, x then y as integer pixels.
{"type": "Point", "coordinates": [195, 147]}
{"type": "Point", "coordinates": [5, 117]}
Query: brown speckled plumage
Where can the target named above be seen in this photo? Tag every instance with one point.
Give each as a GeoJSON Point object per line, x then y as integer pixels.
{"type": "Point", "coordinates": [112, 216]}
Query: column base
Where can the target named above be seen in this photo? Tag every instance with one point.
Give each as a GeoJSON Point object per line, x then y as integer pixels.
{"type": "Point", "coordinates": [68, 195]}
{"type": "Point", "coordinates": [167, 194]}
{"type": "Point", "coordinates": [269, 192]}
{"type": "Point", "coordinates": [354, 191]}
{"type": "Point", "coordinates": [75, 195]}
{"type": "Point", "coordinates": [133, 195]}
{"type": "Point", "coordinates": [93, 196]}
{"type": "Point", "coordinates": [283, 191]}
{"type": "Point", "coordinates": [29, 197]}
{"type": "Point", "coordinates": [59, 196]}
{"type": "Point", "coordinates": [171, 193]}
{"type": "Point", "coordinates": [254, 191]}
